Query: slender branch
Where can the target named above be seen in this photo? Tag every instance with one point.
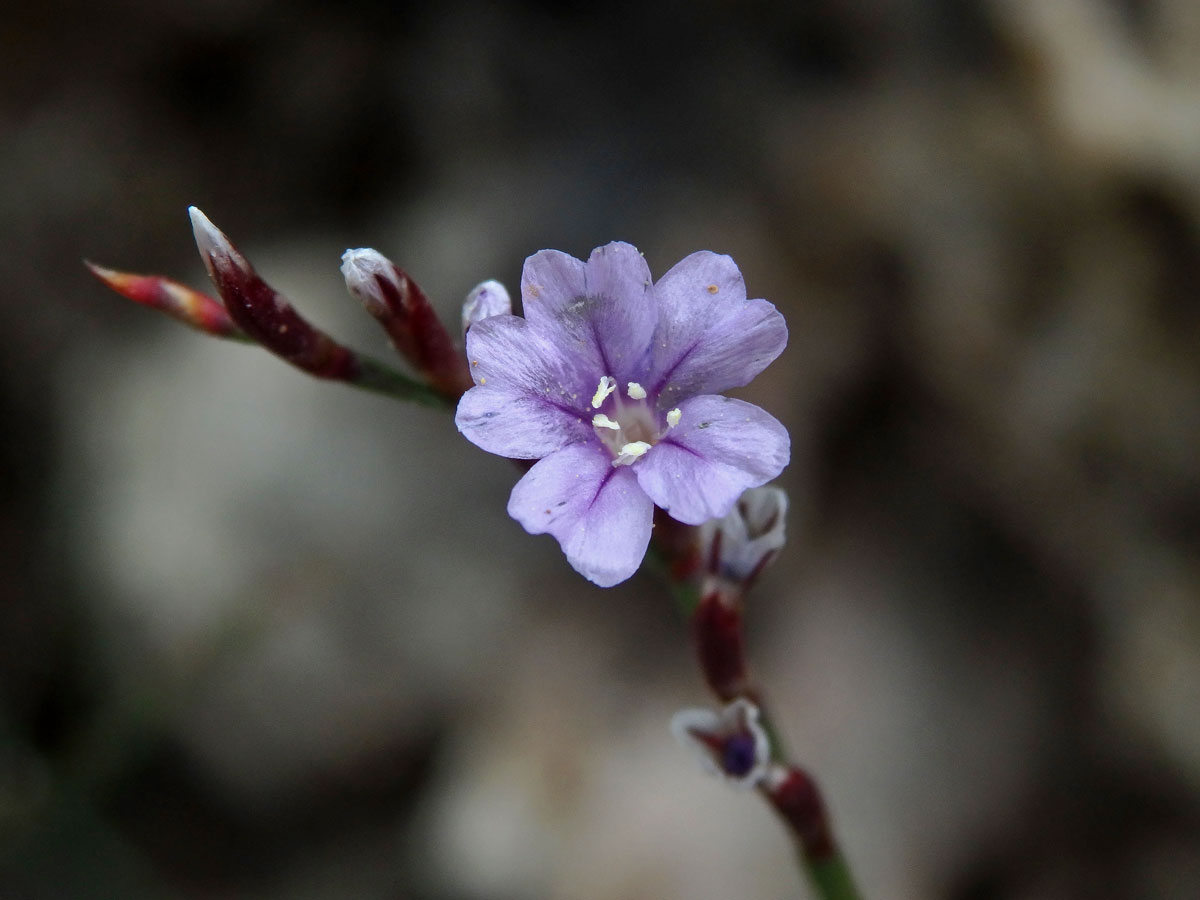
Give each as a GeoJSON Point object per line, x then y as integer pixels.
{"type": "Point", "coordinates": [710, 598]}
{"type": "Point", "coordinates": [381, 379]}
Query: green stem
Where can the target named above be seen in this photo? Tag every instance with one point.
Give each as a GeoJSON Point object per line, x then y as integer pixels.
{"type": "Point", "coordinates": [831, 877]}
{"type": "Point", "coordinates": [375, 376]}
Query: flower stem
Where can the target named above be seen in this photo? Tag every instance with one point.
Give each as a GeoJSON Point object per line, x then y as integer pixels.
{"type": "Point", "coordinates": [375, 376]}
{"type": "Point", "coordinates": [796, 798]}
{"type": "Point", "coordinates": [831, 877]}
{"type": "Point", "coordinates": [713, 607]}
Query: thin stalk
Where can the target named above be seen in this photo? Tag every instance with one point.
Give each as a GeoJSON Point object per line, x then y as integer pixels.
{"type": "Point", "coordinates": [381, 379]}
{"type": "Point", "coordinates": [795, 796]}
{"type": "Point", "coordinates": [831, 877]}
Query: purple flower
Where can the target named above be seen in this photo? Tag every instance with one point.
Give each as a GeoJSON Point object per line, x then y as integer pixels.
{"type": "Point", "coordinates": [611, 382]}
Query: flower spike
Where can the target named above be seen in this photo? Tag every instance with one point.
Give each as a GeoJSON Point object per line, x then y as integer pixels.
{"type": "Point", "coordinates": [176, 300]}
{"type": "Point", "coordinates": [401, 307]}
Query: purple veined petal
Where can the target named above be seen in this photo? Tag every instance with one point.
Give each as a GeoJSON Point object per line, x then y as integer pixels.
{"type": "Point", "coordinates": [710, 337]}
{"type": "Point", "coordinates": [506, 422]}
{"type": "Point", "coordinates": [597, 512]}
{"type": "Point", "coordinates": [549, 281]}
{"type": "Point", "coordinates": [530, 397]}
{"type": "Point", "coordinates": [518, 354]}
{"type": "Point", "coordinates": [603, 309]}
{"type": "Point", "coordinates": [720, 448]}
{"type": "Point", "coordinates": [620, 309]}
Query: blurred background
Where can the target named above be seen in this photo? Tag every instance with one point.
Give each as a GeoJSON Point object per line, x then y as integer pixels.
{"type": "Point", "coordinates": [264, 637]}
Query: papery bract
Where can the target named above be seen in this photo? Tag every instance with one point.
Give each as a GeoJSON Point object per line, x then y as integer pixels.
{"type": "Point", "coordinates": [731, 744]}
{"type": "Point", "coordinates": [738, 546]}
{"type": "Point", "coordinates": [611, 381]}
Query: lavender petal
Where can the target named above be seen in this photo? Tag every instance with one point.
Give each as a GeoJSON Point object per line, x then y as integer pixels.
{"type": "Point", "coordinates": [720, 448]}
{"type": "Point", "coordinates": [530, 398]}
{"type": "Point", "coordinates": [710, 337]}
{"type": "Point", "coordinates": [603, 309]}
{"type": "Point", "coordinates": [512, 352]}
{"type": "Point", "coordinates": [596, 511]}
{"type": "Point", "coordinates": [550, 280]}
{"type": "Point", "coordinates": [620, 307]}
{"type": "Point", "coordinates": [510, 423]}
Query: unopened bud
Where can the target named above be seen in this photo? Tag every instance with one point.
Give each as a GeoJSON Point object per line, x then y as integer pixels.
{"type": "Point", "coordinates": [796, 798]}
{"type": "Point", "coordinates": [362, 269]}
{"type": "Point", "coordinates": [176, 300]}
{"type": "Point", "coordinates": [216, 250]}
{"type": "Point", "coordinates": [487, 299]}
{"type": "Point", "coordinates": [266, 315]}
{"type": "Point", "coordinates": [720, 643]}
{"type": "Point", "coordinates": [401, 307]}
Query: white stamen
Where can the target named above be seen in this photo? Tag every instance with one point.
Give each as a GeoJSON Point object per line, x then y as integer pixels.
{"type": "Point", "coordinates": [608, 384]}
{"type": "Point", "coordinates": [600, 420]}
{"type": "Point", "coordinates": [673, 417]}
{"type": "Point", "coordinates": [630, 453]}
{"type": "Point", "coordinates": [635, 391]}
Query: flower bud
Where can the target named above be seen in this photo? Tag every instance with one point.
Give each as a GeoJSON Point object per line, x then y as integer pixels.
{"type": "Point", "coordinates": [264, 314]}
{"type": "Point", "coordinates": [490, 298]}
{"type": "Point", "coordinates": [720, 645]}
{"type": "Point", "coordinates": [401, 307]}
{"type": "Point", "coordinates": [176, 300]}
{"type": "Point", "coordinates": [731, 744]}
{"type": "Point", "coordinates": [796, 798]}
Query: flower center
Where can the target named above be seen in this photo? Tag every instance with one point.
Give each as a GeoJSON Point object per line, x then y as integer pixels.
{"type": "Point", "coordinates": [629, 425]}
{"type": "Point", "coordinates": [738, 754]}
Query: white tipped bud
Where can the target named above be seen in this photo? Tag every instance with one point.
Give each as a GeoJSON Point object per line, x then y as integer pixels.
{"type": "Point", "coordinates": [215, 249]}
{"type": "Point", "coordinates": [361, 268]}
{"type": "Point", "coordinates": [487, 299]}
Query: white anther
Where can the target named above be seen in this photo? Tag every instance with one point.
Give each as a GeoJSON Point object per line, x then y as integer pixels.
{"type": "Point", "coordinates": [635, 391]}
{"type": "Point", "coordinates": [630, 453]}
{"type": "Point", "coordinates": [600, 420]}
{"type": "Point", "coordinates": [673, 417]}
{"type": "Point", "coordinates": [608, 384]}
